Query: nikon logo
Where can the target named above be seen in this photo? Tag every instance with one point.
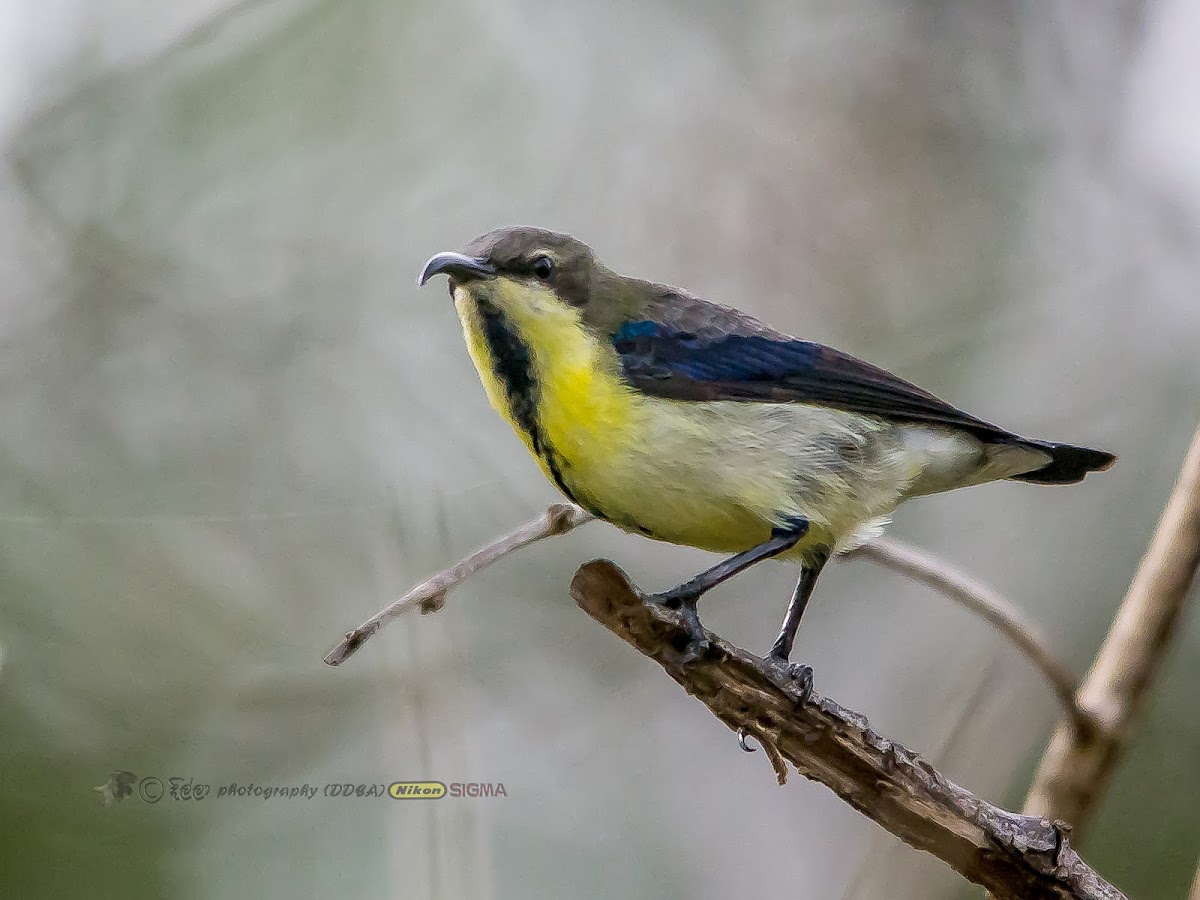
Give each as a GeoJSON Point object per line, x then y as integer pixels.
{"type": "Point", "coordinates": [416, 790]}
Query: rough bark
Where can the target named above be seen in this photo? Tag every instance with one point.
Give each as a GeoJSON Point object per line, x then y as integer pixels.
{"type": "Point", "coordinates": [1015, 857]}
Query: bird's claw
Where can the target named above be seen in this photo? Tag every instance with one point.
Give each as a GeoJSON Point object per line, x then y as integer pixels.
{"type": "Point", "coordinates": [677, 598]}
{"type": "Point", "coordinates": [698, 643]}
{"type": "Point", "coordinates": [802, 676]}
{"type": "Point", "coordinates": [798, 675]}
{"type": "Point", "coordinates": [742, 734]}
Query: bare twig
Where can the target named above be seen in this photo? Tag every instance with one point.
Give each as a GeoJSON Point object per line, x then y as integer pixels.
{"type": "Point", "coordinates": [429, 595]}
{"type": "Point", "coordinates": [1013, 856]}
{"type": "Point", "coordinates": [1195, 892]}
{"type": "Point", "coordinates": [1075, 771]}
{"type": "Point", "coordinates": [989, 606]}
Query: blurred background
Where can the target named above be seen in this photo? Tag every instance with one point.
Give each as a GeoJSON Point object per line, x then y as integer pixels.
{"type": "Point", "coordinates": [233, 427]}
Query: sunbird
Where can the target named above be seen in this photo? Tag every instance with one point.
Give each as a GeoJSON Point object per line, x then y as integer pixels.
{"type": "Point", "coordinates": [696, 424]}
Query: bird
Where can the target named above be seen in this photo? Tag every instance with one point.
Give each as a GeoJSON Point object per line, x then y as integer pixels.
{"type": "Point", "coordinates": [696, 424]}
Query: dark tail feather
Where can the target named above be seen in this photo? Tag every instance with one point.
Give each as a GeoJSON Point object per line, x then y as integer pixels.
{"type": "Point", "coordinates": [1067, 464]}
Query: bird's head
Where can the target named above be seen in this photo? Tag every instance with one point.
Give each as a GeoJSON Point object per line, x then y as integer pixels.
{"type": "Point", "coordinates": [536, 278]}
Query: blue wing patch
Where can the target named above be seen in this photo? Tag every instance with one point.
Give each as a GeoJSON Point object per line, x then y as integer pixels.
{"type": "Point", "coordinates": [680, 365]}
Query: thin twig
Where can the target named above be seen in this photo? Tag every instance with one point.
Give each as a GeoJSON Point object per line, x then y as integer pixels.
{"type": "Point", "coordinates": [429, 595]}
{"type": "Point", "coordinates": [990, 606]}
{"type": "Point", "coordinates": [1013, 856]}
{"type": "Point", "coordinates": [1075, 772]}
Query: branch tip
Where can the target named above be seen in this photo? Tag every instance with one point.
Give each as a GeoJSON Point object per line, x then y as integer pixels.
{"type": "Point", "coordinates": [1078, 764]}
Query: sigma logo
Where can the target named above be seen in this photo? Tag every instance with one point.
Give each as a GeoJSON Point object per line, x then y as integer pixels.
{"type": "Point", "coordinates": [477, 789]}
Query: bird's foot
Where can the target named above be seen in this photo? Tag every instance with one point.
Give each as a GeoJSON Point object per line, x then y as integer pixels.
{"type": "Point", "coordinates": [693, 643]}
{"type": "Point", "coordinates": [797, 675]}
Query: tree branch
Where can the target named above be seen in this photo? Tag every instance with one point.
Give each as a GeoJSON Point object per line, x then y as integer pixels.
{"type": "Point", "coordinates": [430, 594]}
{"type": "Point", "coordinates": [989, 606]}
{"type": "Point", "coordinates": [1195, 892]}
{"type": "Point", "coordinates": [1076, 769]}
{"type": "Point", "coordinates": [1015, 857]}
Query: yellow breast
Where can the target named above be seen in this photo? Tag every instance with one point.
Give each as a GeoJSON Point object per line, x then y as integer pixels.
{"type": "Point", "coordinates": [583, 410]}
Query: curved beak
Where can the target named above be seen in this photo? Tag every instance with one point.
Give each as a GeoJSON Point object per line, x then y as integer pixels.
{"type": "Point", "coordinates": [457, 265]}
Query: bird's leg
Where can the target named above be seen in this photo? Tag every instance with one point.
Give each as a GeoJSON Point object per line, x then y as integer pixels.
{"type": "Point", "coordinates": [691, 591]}
{"type": "Point", "coordinates": [684, 597]}
{"type": "Point", "coordinates": [782, 648]}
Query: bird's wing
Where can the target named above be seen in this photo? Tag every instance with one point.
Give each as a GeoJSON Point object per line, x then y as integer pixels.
{"type": "Point", "coordinates": [756, 363]}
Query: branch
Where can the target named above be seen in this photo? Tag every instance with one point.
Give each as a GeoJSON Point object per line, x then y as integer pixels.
{"type": "Point", "coordinates": [1015, 857]}
{"type": "Point", "coordinates": [1075, 770]}
{"type": "Point", "coordinates": [989, 606]}
{"type": "Point", "coordinates": [429, 595]}
{"type": "Point", "coordinates": [1195, 892]}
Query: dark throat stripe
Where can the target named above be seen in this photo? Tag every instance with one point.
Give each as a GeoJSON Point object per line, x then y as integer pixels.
{"type": "Point", "coordinates": [513, 365]}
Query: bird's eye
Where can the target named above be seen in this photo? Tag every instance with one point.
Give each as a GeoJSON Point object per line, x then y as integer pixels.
{"type": "Point", "coordinates": [543, 267]}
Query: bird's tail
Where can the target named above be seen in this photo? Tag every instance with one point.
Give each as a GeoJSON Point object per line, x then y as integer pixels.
{"type": "Point", "coordinates": [1067, 464]}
